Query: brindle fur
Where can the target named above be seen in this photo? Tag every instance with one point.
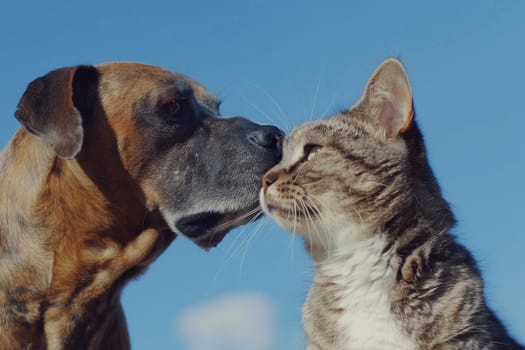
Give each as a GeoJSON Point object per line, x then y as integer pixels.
{"type": "Point", "coordinates": [359, 188]}
{"type": "Point", "coordinates": [92, 187]}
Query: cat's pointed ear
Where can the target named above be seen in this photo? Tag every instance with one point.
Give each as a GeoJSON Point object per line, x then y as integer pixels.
{"type": "Point", "coordinates": [387, 99]}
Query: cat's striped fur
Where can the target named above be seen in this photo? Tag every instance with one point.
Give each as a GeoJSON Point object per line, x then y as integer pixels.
{"type": "Point", "coordinates": [389, 273]}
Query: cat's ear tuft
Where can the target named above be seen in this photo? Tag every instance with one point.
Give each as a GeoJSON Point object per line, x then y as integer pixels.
{"type": "Point", "coordinates": [387, 99]}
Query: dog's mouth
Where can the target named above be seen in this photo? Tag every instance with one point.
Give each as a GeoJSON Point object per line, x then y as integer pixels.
{"type": "Point", "coordinates": [207, 229]}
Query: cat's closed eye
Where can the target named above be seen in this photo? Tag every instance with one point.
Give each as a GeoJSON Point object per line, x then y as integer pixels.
{"type": "Point", "coordinates": [310, 150]}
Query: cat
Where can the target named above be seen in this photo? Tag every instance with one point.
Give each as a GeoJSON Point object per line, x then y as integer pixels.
{"type": "Point", "coordinates": [389, 273]}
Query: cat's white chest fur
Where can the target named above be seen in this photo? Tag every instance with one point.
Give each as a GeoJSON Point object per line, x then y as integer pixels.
{"type": "Point", "coordinates": [349, 305]}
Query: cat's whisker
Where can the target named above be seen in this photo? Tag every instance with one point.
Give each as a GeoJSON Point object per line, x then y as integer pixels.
{"type": "Point", "coordinates": [309, 219]}
{"type": "Point", "coordinates": [317, 206]}
{"type": "Point", "coordinates": [258, 229]}
{"type": "Point", "coordinates": [304, 184]}
{"type": "Point", "coordinates": [308, 222]}
{"type": "Point", "coordinates": [324, 223]}
{"type": "Point", "coordinates": [330, 105]}
{"type": "Point", "coordinates": [294, 224]}
{"type": "Point", "coordinates": [296, 175]}
{"type": "Point", "coordinates": [323, 227]}
{"type": "Point", "coordinates": [292, 247]}
{"type": "Point", "coordinates": [294, 217]}
{"type": "Point", "coordinates": [294, 232]}
{"type": "Point", "coordinates": [290, 213]}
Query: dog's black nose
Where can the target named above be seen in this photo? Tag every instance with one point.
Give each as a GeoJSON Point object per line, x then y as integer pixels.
{"type": "Point", "coordinates": [267, 136]}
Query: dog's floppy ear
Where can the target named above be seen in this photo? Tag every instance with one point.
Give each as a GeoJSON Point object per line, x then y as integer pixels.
{"type": "Point", "coordinates": [54, 107]}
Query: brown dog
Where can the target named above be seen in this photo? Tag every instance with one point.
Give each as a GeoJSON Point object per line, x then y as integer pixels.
{"type": "Point", "coordinates": [112, 163]}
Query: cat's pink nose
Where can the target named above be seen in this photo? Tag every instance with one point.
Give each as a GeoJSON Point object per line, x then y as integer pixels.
{"type": "Point", "coordinates": [269, 178]}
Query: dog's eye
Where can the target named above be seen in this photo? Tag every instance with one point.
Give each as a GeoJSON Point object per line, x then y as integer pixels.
{"type": "Point", "coordinates": [310, 151]}
{"type": "Point", "coordinates": [172, 108]}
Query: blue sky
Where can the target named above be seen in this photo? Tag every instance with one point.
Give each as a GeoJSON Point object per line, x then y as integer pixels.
{"type": "Point", "coordinates": [285, 62]}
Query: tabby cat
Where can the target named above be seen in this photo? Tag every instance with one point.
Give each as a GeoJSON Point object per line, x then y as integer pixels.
{"type": "Point", "coordinates": [389, 273]}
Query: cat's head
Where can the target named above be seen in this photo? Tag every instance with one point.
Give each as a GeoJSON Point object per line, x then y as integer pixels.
{"type": "Point", "coordinates": [353, 172]}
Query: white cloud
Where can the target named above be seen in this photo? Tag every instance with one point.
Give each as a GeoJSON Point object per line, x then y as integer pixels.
{"type": "Point", "coordinates": [233, 322]}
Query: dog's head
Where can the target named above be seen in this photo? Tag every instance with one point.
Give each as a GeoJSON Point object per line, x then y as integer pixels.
{"type": "Point", "coordinates": [200, 171]}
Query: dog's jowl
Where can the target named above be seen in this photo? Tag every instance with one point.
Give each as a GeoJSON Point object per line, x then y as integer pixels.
{"type": "Point", "coordinates": [112, 163]}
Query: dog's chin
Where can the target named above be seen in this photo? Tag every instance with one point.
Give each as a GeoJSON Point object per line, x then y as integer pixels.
{"type": "Point", "coordinates": [208, 229]}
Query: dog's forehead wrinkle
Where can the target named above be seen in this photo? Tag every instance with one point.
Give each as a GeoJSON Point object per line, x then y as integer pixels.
{"type": "Point", "coordinates": [178, 86]}
{"type": "Point", "coordinates": [184, 88]}
{"type": "Point", "coordinates": [154, 79]}
{"type": "Point", "coordinates": [206, 98]}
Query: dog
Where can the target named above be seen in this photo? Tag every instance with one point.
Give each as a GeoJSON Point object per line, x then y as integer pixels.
{"type": "Point", "coordinates": [112, 163]}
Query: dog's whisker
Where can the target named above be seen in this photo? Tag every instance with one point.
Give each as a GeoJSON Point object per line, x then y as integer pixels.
{"type": "Point", "coordinates": [275, 103]}
{"type": "Point", "coordinates": [257, 211]}
{"type": "Point", "coordinates": [232, 252]}
{"type": "Point", "coordinates": [252, 235]}
{"type": "Point", "coordinates": [258, 109]}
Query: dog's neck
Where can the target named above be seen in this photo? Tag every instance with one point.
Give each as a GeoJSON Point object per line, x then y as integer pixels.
{"type": "Point", "coordinates": [36, 182]}
{"type": "Point", "coordinates": [101, 237]}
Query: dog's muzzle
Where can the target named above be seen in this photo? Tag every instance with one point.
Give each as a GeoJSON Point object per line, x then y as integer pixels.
{"type": "Point", "coordinates": [208, 228]}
